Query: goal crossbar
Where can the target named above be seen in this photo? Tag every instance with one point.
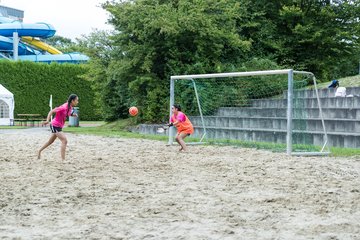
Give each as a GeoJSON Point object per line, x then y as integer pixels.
{"type": "Point", "coordinates": [237, 74]}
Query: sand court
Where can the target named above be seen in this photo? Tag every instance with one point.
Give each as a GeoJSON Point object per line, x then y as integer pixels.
{"type": "Point", "coordinates": [119, 188]}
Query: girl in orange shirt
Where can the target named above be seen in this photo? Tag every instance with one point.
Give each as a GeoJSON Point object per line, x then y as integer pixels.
{"type": "Point", "coordinates": [183, 125]}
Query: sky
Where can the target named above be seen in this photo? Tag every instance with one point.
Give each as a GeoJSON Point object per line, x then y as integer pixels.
{"type": "Point", "coordinates": [70, 18]}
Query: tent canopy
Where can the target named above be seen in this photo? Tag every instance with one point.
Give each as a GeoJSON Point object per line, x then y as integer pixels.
{"type": "Point", "coordinates": [7, 105]}
{"type": "Point", "coordinates": [5, 93]}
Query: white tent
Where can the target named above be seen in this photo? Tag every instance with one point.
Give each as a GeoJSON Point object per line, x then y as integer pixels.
{"type": "Point", "coordinates": [7, 105]}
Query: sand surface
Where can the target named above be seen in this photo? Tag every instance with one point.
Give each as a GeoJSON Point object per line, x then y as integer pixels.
{"type": "Point", "coordinates": [114, 188]}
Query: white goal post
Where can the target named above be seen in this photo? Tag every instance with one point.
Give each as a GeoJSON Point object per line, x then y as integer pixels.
{"type": "Point", "coordinates": [239, 75]}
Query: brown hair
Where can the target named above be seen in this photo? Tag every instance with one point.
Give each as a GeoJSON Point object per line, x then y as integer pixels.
{"type": "Point", "coordinates": [70, 99]}
{"type": "Point", "coordinates": [177, 106]}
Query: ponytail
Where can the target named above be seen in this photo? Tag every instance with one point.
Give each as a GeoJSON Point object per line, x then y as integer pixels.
{"type": "Point", "coordinates": [70, 99]}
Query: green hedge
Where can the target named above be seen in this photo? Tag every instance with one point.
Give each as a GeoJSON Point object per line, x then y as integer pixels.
{"type": "Point", "coordinates": [33, 83]}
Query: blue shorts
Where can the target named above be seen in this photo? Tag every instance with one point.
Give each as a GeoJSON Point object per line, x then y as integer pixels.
{"type": "Point", "coordinates": [55, 129]}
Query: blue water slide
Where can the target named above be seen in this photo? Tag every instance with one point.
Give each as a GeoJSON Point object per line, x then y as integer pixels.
{"type": "Point", "coordinates": [41, 30]}
{"type": "Point", "coordinates": [26, 52]}
{"type": "Point", "coordinates": [6, 45]}
{"type": "Point", "coordinates": [60, 58]}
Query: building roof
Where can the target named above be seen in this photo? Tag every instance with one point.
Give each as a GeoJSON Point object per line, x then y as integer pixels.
{"type": "Point", "coordinates": [12, 13]}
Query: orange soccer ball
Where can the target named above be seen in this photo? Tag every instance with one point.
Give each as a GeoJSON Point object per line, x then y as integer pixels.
{"type": "Point", "coordinates": [133, 111]}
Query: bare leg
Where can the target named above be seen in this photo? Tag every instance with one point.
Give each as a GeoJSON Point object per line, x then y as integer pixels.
{"type": "Point", "coordinates": [48, 143]}
{"type": "Point", "coordinates": [180, 139]}
{"type": "Point", "coordinates": [177, 140]}
{"type": "Point", "coordinates": [63, 140]}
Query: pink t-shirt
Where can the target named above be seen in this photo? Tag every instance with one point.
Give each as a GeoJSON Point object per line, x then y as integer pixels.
{"type": "Point", "coordinates": [60, 117]}
{"type": "Point", "coordinates": [181, 117]}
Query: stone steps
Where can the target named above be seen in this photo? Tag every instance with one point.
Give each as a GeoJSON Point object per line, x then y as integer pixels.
{"type": "Point", "coordinates": [340, 113]}
{"type": "Point", "coordinates": [323, 93]}
{"type": "Point", "coordinates": [330, 102]}
{"type": "Point", "coordinates": [280, 123]}
{"type": "Point", "coordinates": [266, 120]}
{"type": "Point", "coordinates": [339, 139]}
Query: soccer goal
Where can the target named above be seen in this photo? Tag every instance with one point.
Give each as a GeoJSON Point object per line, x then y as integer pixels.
{"type": "Point", "coordinates": [263, 109]}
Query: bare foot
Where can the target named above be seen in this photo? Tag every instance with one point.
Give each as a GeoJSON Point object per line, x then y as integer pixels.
{"type": "Point", "coordinates": [183, 150]}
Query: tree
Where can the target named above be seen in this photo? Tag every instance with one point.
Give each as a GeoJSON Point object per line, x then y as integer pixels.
{"type": "Point", "coordinates": [162, 38]}
{"type": "Point", "coordinates": [319, 36]}
{"type": "Point", "coordinates": [102, 51]}
{"type": "Point", "coordinates": [61, 43]}
{"type": "Point", "coordinates": [155, 39]}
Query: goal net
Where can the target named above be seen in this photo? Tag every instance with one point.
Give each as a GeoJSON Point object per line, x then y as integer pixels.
{"type": "Point", "coordinates": [262, 109]}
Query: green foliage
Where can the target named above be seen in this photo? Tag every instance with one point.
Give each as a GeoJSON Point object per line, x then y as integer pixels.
{"type": "Point", "coordinates": [109, 92]}
{"type": "Point", "coordinates": [61, 43]}
{"type": "Point", "coordinates": [156, 39]}
{"type": "Point", "coordinates": [162, 38]}
{"type": "Point", "coordinates": [33, 83]}
{"type": "Point", "coordinates": [320, 36]}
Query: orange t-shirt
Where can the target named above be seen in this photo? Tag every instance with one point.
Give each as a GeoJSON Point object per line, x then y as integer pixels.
{"type": "Point", "coordinates": [184, 125]}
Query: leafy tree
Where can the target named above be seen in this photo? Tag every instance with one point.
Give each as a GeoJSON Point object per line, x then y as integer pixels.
{"type": "Point", "coordinates": [61, 43]}
{"type": "Point", "coordinates": [162, 38]}
{"type": "Point", "coordinates": [101, 50]}
{"type": "Point", "coordinates": [154, 39]}
{"type": "Point", "coordinates": [319, 36]}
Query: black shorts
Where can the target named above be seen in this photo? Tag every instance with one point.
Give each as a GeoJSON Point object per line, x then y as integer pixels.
{"type": "Point", "coordinates": [55, 129]}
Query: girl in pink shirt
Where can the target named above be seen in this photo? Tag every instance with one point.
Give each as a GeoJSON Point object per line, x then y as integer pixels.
{"type": "Point", "coordinates": [183, 125]}
{"type": "Point", "coordinates": [57, 124]}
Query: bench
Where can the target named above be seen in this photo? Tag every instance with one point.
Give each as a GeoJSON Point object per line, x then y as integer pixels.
{"type": "Point", "coordinates": [21, 121]}
{"type": "Point", "coordinates": [31, 118]}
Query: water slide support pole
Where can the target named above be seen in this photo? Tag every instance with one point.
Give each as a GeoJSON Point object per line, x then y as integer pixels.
{"type": "Point", "coordinates": [15, 46]}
